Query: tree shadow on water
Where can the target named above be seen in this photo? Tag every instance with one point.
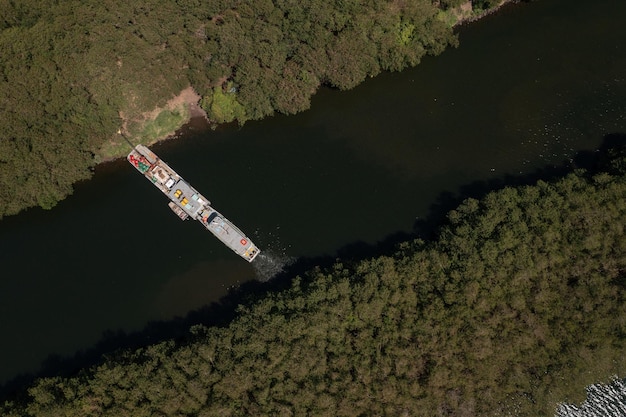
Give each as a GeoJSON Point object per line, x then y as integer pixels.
{"type": "Point", "coordinates": [221, 313]}
{"type": "Point", "coordinates": [114, 343]}
{"type": "Point", "coordinates": [592, 161]}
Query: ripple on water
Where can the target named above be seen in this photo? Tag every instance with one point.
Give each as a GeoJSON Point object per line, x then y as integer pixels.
{"type": "Point", "coordinates": [603, 400]}
{"type": "Point", "coordinates": [273, 258]}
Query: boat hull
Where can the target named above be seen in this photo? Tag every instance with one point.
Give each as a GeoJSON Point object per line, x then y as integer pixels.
{"type": "Point", "coordinates": [186, 202]}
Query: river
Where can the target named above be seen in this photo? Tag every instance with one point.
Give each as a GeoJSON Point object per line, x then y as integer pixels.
{"type": "Point", "coordinates": [528, 89]}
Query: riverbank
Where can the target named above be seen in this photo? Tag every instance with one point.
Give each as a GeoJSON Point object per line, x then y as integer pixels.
{"type": "Point", "coordinates": [153, 126]}
{"type": "Point", "coordinates": [161, 123]}
{"type": "Point", "coordinates": [486, 319]}
{"type": "Point", "coordinates": [126, 261]}
{"type": "Point", "coordinates": [465, 13]}
{"type": "Point", "coordinates": [247, 64]}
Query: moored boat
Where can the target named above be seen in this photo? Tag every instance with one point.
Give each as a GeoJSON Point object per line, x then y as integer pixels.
{"type": "Point", "coordinates": [186, 202]}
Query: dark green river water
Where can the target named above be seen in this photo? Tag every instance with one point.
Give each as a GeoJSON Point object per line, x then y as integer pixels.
{"type": "Point", "coordinates": [528, 88]}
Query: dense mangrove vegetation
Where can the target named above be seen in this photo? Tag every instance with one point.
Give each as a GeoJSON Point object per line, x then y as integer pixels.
{"type": "Point", "coordinates": [74, 72]}
{"type": "Point", "coordinates": [517, 305]}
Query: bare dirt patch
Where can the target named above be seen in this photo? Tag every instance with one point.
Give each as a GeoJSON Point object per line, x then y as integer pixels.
{"type": "Point", "coordinates": [154, 125]}
{"type": "Point", "coordinates": [188, 97]}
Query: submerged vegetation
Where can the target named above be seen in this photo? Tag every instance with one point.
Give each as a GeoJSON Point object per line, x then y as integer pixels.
{"type": "Point", "coordinates": [517, 305]}
{"type": "Point", "coordinates": [75, 72]}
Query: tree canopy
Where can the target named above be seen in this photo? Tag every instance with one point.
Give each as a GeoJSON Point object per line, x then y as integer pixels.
{"type": "Point", "coordinates": [74, 72]}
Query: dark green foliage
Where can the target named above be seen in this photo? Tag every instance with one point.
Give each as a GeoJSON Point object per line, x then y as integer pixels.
{"type": "Point", "coordinates": [74, 72]}
{"type": "Point", "coordinates": [448, 4]}
{"type": "Point", "coordinates": [485, 4]}
{"type": "Point", "coordinates": [518, 305]}
{"type": "Point", "coordinates": [67, 72]}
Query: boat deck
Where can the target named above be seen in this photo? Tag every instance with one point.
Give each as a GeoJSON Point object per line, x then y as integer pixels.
{"type": "Point", "coordinates": [186, 201]}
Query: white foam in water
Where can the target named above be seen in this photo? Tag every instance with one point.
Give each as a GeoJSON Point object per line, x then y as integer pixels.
{"type": "Point", "coordinates": [267, 265]}
{"type": "Point", "coordinates": [273, 258]}
{"type": "Point", "coordinates": [602, 401]}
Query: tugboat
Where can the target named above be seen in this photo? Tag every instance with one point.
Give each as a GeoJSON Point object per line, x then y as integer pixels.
{"type": "Point", "coordinates": [186, 202]}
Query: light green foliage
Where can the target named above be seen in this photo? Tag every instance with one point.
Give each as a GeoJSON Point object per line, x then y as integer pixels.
{"type": "Point", "coordinates": [405, 33]}
{"type": "Point", "coordinates": [519, 304]}
{"type": "Point", "coordinates": [223, 107]}
{"type": "Point", "coordinates": [447, 17]}
{"type": "Point", "coordinates": [164, 124]}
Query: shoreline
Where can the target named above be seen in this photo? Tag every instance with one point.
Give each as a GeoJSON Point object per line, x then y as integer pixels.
{"type": "Point", "coordinates": [150, 128]}
{"type": "Point", "coordinates": [190, 98]}
{"type": "Point", "coordinates": [470, 17]}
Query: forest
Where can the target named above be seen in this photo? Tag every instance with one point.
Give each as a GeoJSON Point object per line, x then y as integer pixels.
{"type": "Point", "coordinates": [516, 305]}
{"type": "Point", "coordinates": [75, 72]}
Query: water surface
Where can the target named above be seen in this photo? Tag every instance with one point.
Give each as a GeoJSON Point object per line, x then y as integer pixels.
{"type": "Point", "coordinates": [528, 88]}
